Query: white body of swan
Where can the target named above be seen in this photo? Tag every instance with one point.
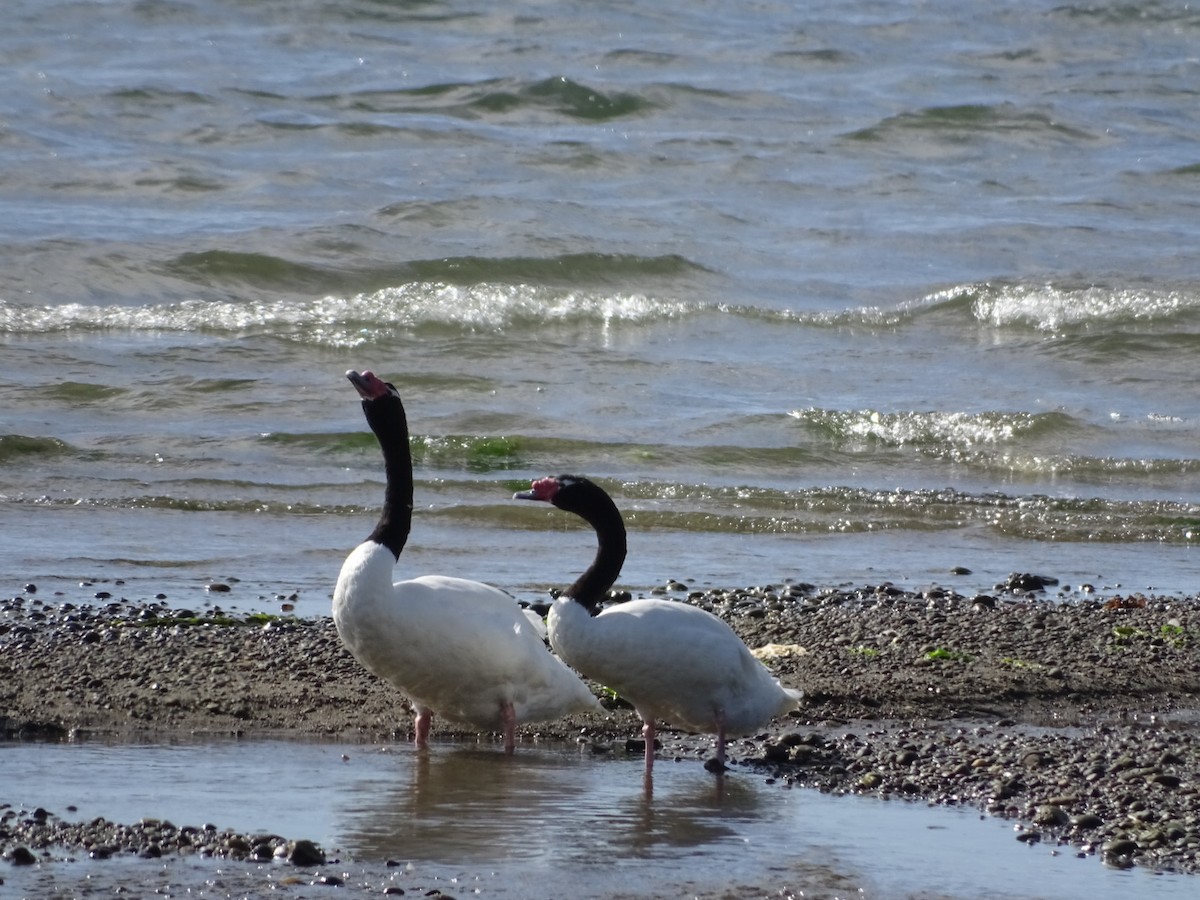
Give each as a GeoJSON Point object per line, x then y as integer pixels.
{"type": "Point", "coordinates": [673, 662]}
{"type": "Point", "coordinates": [458, 648]}
{"type": "Point", "coordinates": [670, 660]}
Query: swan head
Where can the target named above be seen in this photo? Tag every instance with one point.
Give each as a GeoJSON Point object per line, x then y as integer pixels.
{"type": "Point", "coordinates": [371, 387]}
{"type": "Point", "coordinates": [551, 489]}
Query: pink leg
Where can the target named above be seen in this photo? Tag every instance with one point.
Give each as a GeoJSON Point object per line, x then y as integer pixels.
{"type": "Point", "coordinates": [422, 725]}
{"type": "Point", "coordinates": [648, 736]}
{"type": "Point", "coordinates": [508, 720]}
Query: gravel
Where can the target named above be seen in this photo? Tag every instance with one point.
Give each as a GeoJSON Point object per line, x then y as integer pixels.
{"type": "Point", "coordinates": [1075, 718]}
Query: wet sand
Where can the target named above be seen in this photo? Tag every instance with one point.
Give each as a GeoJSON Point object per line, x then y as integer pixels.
{"type": "Point", "coordinates": [1077, 720]}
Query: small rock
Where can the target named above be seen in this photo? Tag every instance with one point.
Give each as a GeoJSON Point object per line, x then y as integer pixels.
{"type": "Point", "coordinates": [1033, 760]}
{"type": "Point", "coordinates": [1120, 847]}
{"type": "Point", "coordinates": [21, 856]}
{"type": "Point", "coordinates": [1048, 815]}
{"type": "Point", "coordinates": [305, 853]}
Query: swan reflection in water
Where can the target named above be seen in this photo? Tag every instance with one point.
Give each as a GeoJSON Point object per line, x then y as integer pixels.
{"type": "Point", "coordinates": [472, 806]}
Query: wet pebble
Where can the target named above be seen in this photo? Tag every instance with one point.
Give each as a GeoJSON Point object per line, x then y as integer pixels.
{"type": "Point", "coordinates": [21, 856]}
{"type": "Point", "coordinates": [305, 853]}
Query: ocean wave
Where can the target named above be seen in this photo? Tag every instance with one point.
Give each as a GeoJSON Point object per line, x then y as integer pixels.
{"type": "Point", "coordinates": [1044, 307]}
{"type": "Point", "coordinates": [187, 504]}
{"type": "Point", "coordinates": [1054, 308]}
{"type": "Point", "coordinates": [350, 321]}
{"type": "Point", "coordinates": [967, 121]}
{"type": "Point", "coordinates": [941, 429]}
{"type": "Point", "coordinates": [496, 97]}
{"type": "Point", "coordinates": [19, 447]}
{"type": "Point", "coordinates": [1057, 465]}
{"type": "Point", "coordinates": [473, 295]}
{"type": "Point", "coordinates": [695, 508]}
{"type": "Point", "coordinates": [706, 509]}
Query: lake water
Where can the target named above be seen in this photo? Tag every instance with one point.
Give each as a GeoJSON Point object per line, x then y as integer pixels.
{"type": "Point", "coordinates": [839, 292]}
{"type": "Point", "coordinates": [547, 822]}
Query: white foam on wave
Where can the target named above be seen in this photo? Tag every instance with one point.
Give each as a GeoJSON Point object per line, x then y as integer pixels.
{"type": "Point", "coordinates": [960, 429]}
{"type": "Point", "coordinates": [352, 321]}
{"type": "Point", "coordinates": [1051, 308]}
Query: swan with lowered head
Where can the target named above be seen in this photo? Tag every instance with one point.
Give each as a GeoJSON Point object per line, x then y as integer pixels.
{"type": "Point", "coordinates": [460, 648]}
{"type": "Point", "coordinates": [670, 660]}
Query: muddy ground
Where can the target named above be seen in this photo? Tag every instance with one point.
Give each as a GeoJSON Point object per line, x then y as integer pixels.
{"type": "Point", "coordinates": [1076, 718]}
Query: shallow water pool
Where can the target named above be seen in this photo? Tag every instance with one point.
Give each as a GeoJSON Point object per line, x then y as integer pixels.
{"type": "Point", "coordinates": [547, 822]}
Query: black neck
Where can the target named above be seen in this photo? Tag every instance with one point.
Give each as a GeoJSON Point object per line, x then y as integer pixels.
{"type": "Point", "coordinates": [602, 514]}
{"type": "Point", "coordinates": [387, 419]}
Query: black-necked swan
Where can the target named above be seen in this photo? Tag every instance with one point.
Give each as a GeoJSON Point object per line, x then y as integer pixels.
{"type": "Point", "coordinates": [670, 660]}
{"type": "Point", "coordinates": [462, 649]}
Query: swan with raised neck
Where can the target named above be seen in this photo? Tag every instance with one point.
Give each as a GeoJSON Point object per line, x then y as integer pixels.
{"type": "Point", "coordinates": [455, 647]}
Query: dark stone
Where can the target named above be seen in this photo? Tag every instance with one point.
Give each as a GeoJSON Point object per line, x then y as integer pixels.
{"type": "Point", "coordinates": [22, 857]}
{"type": "Point", "coordinates": [1021, 582]}
{"type": "Point", "coordinates": [306, 853]}
{"type": "Point", "coordinates": [1120, 847]}
{"type": "Point", "coordinates": [773, 752]}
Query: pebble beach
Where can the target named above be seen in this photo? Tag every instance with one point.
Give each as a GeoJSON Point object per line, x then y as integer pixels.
{"type": "Point", "coordinates": [1075, 719]}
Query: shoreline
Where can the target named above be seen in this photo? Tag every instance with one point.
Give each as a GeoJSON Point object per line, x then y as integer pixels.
{"type": "Point", "coordinates": [1076, 720]}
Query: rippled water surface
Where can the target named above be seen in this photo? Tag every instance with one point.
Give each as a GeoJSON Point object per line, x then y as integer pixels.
{"type": "Point", "coordinates": [826, 291]}
{"type": "Point", "coordinates": [548, 822]}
